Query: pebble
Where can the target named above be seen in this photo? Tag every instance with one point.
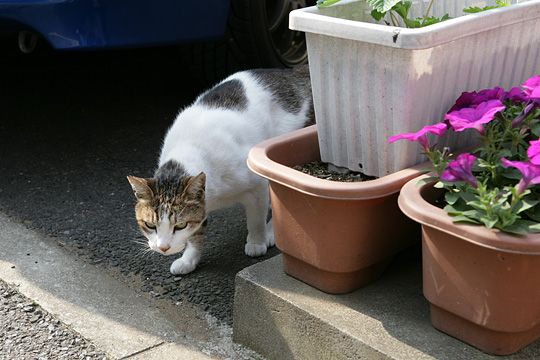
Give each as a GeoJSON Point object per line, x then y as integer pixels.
{"type": "Point", "coordinates": [29, 332]}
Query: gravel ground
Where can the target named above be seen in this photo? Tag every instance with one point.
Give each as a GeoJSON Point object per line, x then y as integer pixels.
{"type": "Point", "coordinates": [73, 126]}
{"type": "Point", "coordinates": [29, 332]}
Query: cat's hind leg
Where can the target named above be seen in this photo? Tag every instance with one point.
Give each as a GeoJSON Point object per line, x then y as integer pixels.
{"type": "Point", "coordinates": [256, 204]}
{"type": "Point", "coordinates": [270, 234]}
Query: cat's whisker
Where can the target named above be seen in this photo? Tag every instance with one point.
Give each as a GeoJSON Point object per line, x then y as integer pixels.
{"type": "Point", "coordinates": [142, 243]}
{"type": "Point", "coordinates": [143, 253]}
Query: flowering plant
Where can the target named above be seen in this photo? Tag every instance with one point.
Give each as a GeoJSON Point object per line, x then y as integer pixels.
{"type": "Point", "coordinates": [498, 184]}
{"type": "Point", "coordinates": [394, 10]}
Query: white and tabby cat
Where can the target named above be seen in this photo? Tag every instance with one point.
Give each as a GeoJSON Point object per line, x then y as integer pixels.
{"type": "Point", "coordinates": [202, 166]}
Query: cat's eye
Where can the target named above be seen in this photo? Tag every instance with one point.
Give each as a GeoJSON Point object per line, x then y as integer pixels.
{"type": "Point", "coordinates": [179, 226]}
{"type": "Point", "coordinates": [150, 226]}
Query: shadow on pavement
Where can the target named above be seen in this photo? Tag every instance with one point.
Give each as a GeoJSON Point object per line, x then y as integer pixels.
{"type": "Point", "coordinates": [72, 126]}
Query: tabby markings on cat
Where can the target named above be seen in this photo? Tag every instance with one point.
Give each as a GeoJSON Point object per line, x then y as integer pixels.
{"type": "Point", "coordinates": [202, 166]}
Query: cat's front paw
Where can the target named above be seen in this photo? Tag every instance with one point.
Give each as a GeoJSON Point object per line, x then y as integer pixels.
{"type": "Point", "coordinates": [254, 250]}
{"type": "Point", "coordinates": [181, 266]}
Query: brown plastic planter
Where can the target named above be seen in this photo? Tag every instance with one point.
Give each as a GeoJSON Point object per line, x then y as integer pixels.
{"type": "Point", "coordinates": [334, 236]}
{"type": "Point", "coordinates": [483, 285]}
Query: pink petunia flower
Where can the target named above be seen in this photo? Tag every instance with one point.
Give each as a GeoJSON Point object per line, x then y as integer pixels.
{"type": "Point", "coordinates": [534, 152]}
{"type": "Point", "coordinates": [530, 173]}
{"type": "Point", "coordinates": [516, 94]}
{"type": "Point", "coordinates": [473, 99]}
{"type": "Point", "coordinates": [421, 135]}
{"type": "Point", "coordinates": [474, 118]}
{"type": "Point", "coordinates": [460, 169]}
{"type": "Point", "coordinates": [532, 87]}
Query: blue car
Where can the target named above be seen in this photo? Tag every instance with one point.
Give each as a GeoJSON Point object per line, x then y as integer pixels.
{"type": "Point", "coordinates": [224, 33]}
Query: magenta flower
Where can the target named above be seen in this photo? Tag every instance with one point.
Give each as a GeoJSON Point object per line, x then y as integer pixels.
{"type": "Point", "coordinates": [465, 100]}
{"type": "Point", "coordinates": [460, 169]}
{"type": "Point", "coordinates": [474, 118]}
{"type": "Point", "coordinates": [421, 135]}
{"type": "Point", "coordinates": [534, 152]}
{"type": "Point", "coordinates": [532, 87]}
{"type": "Point", "coordinates": [497, 93]}
{"type": "Point", "coordinates": [516, 94]}
{"type": "Point", "coordinates": [473, 99]}
{"type": "Point", "coordinates": [530, 173]}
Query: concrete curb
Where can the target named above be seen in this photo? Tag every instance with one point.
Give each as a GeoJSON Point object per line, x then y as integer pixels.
{"type": "Point", "coordinates": [283, 318]}
{"type": "Point", "coordinates": [114, 317]}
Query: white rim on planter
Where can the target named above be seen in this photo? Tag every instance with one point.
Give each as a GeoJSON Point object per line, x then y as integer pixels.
{"type": "Point", "coordinates": [371, 81]}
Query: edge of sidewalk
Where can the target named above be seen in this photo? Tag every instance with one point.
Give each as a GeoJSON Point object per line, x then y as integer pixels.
{"type": "Point", "coordinates": [114, 317]}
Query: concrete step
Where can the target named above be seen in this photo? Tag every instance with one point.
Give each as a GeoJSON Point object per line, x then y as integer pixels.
{"type": "Point", "coordinates": [283, 318]}
{"type": "Point", "coordinates": [117, 319]}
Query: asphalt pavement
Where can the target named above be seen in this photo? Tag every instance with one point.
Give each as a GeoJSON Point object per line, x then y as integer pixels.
{"type": "Point", "coordinates": [72, 127]}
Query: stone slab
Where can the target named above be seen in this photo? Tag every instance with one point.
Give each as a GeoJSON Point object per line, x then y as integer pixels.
{"type": "Point", "coordinates": [171, 351]}
{"type": "Point", "coordinates": [283, 318]}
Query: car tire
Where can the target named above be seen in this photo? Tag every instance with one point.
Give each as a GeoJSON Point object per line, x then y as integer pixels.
{"type": "Point", "coordinates": [257, 36]}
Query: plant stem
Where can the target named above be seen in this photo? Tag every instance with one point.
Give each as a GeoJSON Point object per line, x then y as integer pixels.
{"type": "Point", "coordinates": [393, 18]}
{"type": "Point", "coordinates": [428, 9]}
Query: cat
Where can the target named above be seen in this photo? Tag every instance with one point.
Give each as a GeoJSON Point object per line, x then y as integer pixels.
{"type": "Point", "coordinates": [202, 166]}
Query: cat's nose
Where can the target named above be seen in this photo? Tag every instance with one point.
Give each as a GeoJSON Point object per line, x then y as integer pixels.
{"type": "Point", "coordinates": [164, 248]}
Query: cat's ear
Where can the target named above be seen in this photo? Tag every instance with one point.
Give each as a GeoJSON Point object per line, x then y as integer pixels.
{"type": "Point", "coordinates": [195, 187]}
{"type": "Point", "coordinates": [143, 188]}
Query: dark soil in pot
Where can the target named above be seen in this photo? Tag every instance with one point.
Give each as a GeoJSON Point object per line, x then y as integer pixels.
{"type": "Point", "coordinates": [330, 172]}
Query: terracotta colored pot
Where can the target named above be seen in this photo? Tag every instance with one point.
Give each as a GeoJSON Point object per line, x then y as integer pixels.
{"type": "Point", "coordinates": [483, 285]}
{"type": "Point", "coordinates": [335, 236]}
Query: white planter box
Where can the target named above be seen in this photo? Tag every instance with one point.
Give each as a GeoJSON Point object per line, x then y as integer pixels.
{"type": "Point", "coordinates": [371, 81]}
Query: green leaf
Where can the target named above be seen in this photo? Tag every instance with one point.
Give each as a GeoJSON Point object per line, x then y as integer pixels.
{"type": "Point", "coordinates": [535, 129]}
{"type": "Point", "coordinates": [377, 15]}
{"type": "Point", "coordinates": [412, 23]}
{"type": "Point", "coordinates": [433, 20]}
{"type": "Point", "coordinates": [517, 228]}
{"type": "Point", "coordinates": [426, 180]}
{"type": "Point", "coordinates": [462, 218]}
{"type": "Point", "coordinates": [438, 185]}
{"type": "Point", "coordinates": [326, 3]}
{"type": "Point", "coordinates": [474, 214]}
{"type": "Point", "coordinates": [475, 9]}
{"type": "Point", "coordinates": [452, 211]}
{"type": "Point", "coordinates": [382, 5]}
{"type": "Point", "coordinates": [451, 197]}
{"type": "Point", "coordinates": [525, 204]}
{"type": "Point", "coordinates": [534, 213]}
{"type": "Point", "coordinates": [489, 222]}
{"type": "Point", "coordinates": [402, 8]}
{"type": "Point", "coordinates": [467, 196]}
{"type": "Point", "coordinates": [523, 227]}
{"type": "Point", "coordinates": [534, 228]}
{"type": "Point", "coordinates": [477, 205]}
{"type": "Point", "coordinates": [512, 173]}
{"type": "Point", "coordinates": [505, 153]}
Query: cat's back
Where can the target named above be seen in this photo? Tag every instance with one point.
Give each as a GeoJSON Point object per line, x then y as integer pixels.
{"type": "Point", "coordinates": [252, 91]}
{"type": "Point", "coordinates": [246, 108]}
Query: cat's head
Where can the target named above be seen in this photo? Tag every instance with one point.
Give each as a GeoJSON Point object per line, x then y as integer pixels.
{"type": "Point", "coordinates": [169, 209]}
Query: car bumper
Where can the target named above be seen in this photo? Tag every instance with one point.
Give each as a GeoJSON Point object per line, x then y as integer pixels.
{"type": "Point", "coordinates": [75, 24]}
